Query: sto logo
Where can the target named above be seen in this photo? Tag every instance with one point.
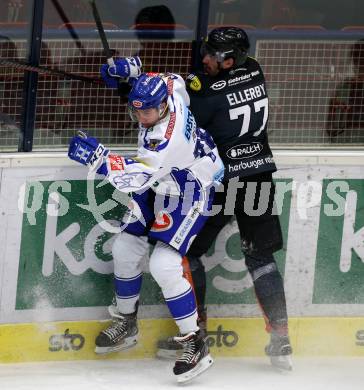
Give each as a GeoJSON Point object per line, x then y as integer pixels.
{"type": "Point", "coordinates": [163, 221]}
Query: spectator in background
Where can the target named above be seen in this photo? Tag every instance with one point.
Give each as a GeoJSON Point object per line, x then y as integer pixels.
{"type": "Point", "coordinates": [159, 16]}
{"type": "Point", "coordinates": [144, 21]}
{"type": "Point", "coordinates": [345, 121]}
{"type": "Point", "coordinates": [134, 13]}
{"type": "Point", "coordinates": [156, 14]}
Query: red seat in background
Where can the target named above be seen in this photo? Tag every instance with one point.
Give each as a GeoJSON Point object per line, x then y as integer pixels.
{"type": "Point", "coordinates": [353, 28]}
{"type": "Point", "coordinates": [243, 26]}
{"type": "Point", "coordinates": [290, 27]}
{"type": "Point", "coordinates": [158, 26]}
{"type": "Point", "coordinates": [107, 25]}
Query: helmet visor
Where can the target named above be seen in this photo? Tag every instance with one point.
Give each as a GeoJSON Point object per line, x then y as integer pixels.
{"type": "Point", "coordinates": [148, 114]}
{"type": "Point", "coordinates": [219, 55]}
{"type": "Point", "coordinates": [131, 112]}
{"type": "Point", "coordinates": [207, 49]}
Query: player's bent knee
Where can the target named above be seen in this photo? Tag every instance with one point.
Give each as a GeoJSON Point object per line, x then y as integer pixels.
{"type": "Point", "coordinates": [165, 265]}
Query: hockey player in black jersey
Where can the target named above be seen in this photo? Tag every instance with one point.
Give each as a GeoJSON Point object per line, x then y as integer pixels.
{"type": "Point", "coordinates": [230, 100]}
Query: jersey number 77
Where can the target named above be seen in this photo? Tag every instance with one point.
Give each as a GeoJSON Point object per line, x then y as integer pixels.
{"type": "Point", "coordinates": [246, 112]}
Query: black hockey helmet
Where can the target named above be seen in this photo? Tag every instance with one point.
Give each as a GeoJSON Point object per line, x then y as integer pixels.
{"type": "Point", "coordinates": [227, 42]}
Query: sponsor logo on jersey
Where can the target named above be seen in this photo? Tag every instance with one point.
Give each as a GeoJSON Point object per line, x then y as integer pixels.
{"type": "Point", "coordinates": [244, 150]}
{"type": "Point", "coordinates": [239, 79]}
{"type": "Point", "coordinates": [163, 221]}
{"type": "Point", "coordinates": [195, 83]}
{"type": "Point", "coordinates": [190, 126]}
{"type": "Point", "coordinates": [116, 162]}
{"type": "Point", "coordinates": [170, 127]}
{"type": "Point", "coordinates": [137, 103]}
{"type": "Point", "coordinates": [186, 226]}
{"type": "Point", "coordinates": [170, 86]}
{"type": "Point", "coordinates": [218, 85]}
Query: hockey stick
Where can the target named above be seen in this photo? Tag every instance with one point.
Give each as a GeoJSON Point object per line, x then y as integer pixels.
{"type": "Point", "coordinates": [69, 26]}
{"type": "Point", "coordinates": [49, 71]}
{"type": "Point", "coordinates": [123, 86]}
{"type": "Point", "coordinates": [100, 29]}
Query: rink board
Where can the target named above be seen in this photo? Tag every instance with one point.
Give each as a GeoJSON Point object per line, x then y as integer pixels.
{"type": "Point", "coordinates": [227, 337]}
{"type": "Point", "coordinates": [56, 264]}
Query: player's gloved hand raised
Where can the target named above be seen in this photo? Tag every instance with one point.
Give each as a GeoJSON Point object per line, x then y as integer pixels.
{"type": "Point", "coordinates": [127, 68]}
{"type": "Point", "coordinates": [87, 151]}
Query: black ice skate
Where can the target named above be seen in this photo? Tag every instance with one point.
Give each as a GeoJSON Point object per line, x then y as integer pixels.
{"type": "Point", "coordinates": [195, 358]}
{"type": "Point", "coordinates": [121, 334]}
{"type": "Point", "coordinates": [170, 349]}
{"type": "Point", "coordinates": [279, 350]}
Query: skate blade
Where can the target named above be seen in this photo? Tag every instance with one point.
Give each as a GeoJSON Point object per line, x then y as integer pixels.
{"type": "Point", "coordinates": [202, 366]}
{"type": "Point", "coordinates": [169, 354]}
{"type": "Point", "coordinates": [282, 362]}
{"type": "Point", "coordinates": [128, 343]}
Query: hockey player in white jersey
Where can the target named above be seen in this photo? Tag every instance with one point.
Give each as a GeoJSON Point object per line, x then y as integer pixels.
{"type": "Point", "coordinates": [171, 181]}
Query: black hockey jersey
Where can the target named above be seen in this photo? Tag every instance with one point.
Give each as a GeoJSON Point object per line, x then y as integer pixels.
{"type": "Point", "coordinates": [233, 108]}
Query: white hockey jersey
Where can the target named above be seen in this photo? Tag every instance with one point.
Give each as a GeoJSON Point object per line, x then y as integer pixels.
{"type": "Point", "coordinates": [174, 143]}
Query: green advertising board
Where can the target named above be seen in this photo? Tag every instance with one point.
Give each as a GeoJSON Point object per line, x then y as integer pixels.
{"type": "Point", "coordinates": [65, 254]}
{"type": "Point", "coordinates": [339, 270]}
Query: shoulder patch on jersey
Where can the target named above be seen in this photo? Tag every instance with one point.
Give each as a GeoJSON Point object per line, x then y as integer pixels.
{"type": "Point", "coordinates": [194, 82]}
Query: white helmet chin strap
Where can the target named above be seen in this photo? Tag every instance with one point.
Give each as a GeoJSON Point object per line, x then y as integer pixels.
{"type": "Point", "coordinates": [170, 104]}
{"type": "Point", "coordinates": [163, 110]}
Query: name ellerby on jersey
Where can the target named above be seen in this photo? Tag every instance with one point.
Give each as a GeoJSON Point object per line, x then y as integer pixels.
{"type": "Point", "coordinates": [246, 95]}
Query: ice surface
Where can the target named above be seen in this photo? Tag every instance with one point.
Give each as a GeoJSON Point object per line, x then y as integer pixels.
{"type": "Point", "coordinates": [226, 373]}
